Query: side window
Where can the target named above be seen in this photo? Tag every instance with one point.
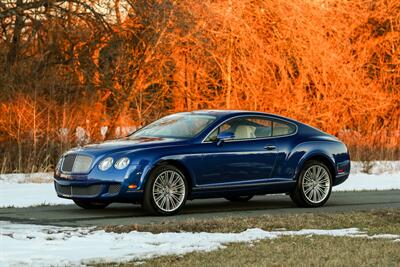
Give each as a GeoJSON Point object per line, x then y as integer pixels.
{"type": "Point", "coordinates": [263, 127]}
{"type": "Point", "coordinates": [213, 136]}
{"type": "Point", "coordinates": [245, 128]}
{"type": "Point", "coordinates": [281, 128]}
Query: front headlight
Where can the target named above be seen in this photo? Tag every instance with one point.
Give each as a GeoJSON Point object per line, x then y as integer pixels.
{"type": "Point", "coordinates": [106, 163]}
{"type": "Point", "coordinates": [122, 163]}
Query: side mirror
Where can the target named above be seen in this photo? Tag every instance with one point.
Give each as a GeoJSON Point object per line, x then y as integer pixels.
{"type": "Point", "coordinates": [221, 137]}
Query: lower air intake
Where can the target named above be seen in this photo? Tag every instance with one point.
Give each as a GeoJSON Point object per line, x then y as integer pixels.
{"type": "Point", "coordinates": [79, 191]}
{"type": "Point", "coordinates": [114, 189]}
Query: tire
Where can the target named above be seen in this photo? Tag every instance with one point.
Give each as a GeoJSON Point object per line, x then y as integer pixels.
{"type": "Point", "coordinates": [166, 191]}
{"type": "Point", "coordinates": [314, 185]}
{"type": "Point", "coordinates": [239, 198]}
{"type": "Point", "coordinates": [90, 205]}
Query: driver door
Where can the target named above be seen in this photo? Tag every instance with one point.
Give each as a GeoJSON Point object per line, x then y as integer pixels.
{"type": "Point", "coordinates": [249, 157]}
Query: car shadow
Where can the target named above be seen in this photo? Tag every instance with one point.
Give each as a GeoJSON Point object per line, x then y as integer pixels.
{"type": "Point", "coordinates": [192, 207]}
{"type": "Point", "coordinates": [222, 205]}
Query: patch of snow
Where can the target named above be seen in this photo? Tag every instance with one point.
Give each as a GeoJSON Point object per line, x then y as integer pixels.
{"type": "Point", "coordinates": [26, 195]}
{"type": "Point", "coordinates": [378, 236]}
{"type": "Point", "coordinates": [384, 236]}
{"type": "Point", "coordinates": [363, 181]}
{"type": "Point", "coordinates": [38, 177]}
{"type": "Point", "coordinates": [334, 232]}
{"type": "Point", "coordinates": [378, 166]}
{"type": "Point", "coordinates": [37, 245]}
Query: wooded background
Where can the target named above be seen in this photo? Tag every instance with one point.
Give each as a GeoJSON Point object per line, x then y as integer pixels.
{"type": "Point", "coordinates": [71, 68]}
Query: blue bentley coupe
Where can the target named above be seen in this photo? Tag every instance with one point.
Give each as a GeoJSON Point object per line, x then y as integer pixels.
{"type": "Point", "coordinates": [205, 154]}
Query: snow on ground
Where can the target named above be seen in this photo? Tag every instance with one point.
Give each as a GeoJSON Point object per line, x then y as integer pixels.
{"type": "Point", "coordinates": [37, 245]}
{"type": "Point", "coordinates": [26, 195]}
{"type": "Point", "coordinates": [38, 177]}
{"type": "Point", "coordinates": [28, 189]}
{"type": "Point", "coordinates": [363, 181]}
{"type": "Point", "coordinates": [383, 175]}
{"type": "Point", "coordinates": [377, 167]}
{"type": "Point", "coordinates": [23, 190]}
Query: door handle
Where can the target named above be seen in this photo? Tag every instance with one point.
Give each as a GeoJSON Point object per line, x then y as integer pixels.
{"type": "Point", "coordinates": [270, 147]}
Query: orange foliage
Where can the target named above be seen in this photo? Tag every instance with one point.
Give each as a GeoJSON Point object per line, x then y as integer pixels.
{"type": "Point", "coordinates": [331, 63]}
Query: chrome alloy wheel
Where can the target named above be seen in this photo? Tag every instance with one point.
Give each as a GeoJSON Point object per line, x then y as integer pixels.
{"type": "Point", "coordinates": [316, 184]}
{"type": "Point", "coordinates": [169, 191]}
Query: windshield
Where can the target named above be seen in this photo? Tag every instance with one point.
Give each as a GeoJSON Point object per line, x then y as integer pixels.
{"type": "Point", "coordinates": [181, 126]}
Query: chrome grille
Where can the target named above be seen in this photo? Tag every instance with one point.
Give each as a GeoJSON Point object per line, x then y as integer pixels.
{"type": "Point", "coordinates": [75, 163]}
{"type": "Point", "coordinates": [79, 191]}
{"type": "Point", "coordinates": [82, 164]}
{"type": "Point", "coordinates": [68, 163]}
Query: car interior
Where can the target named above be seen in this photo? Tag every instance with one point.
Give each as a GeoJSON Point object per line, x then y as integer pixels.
{"type": "Point", "coordinates": [250, 128]}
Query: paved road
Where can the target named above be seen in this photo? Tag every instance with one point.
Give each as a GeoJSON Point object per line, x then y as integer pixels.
{"type": "Point", "coordinates": [118, 214]}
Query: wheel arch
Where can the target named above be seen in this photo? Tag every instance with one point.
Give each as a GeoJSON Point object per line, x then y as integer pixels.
{"type": "Point", "coordinates": [321, 157]}
{"type": "Point", "coordinates": [176, 163]}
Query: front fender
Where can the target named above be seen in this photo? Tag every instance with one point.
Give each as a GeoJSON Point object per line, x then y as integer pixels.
{"type": "Point", "coordinates": [179, 161]}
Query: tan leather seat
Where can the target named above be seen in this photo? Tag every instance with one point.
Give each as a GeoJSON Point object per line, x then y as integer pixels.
{"type": "Point", "coordinates": [284, 130]}
{"type": "Point", "coordinates": [245, 132]}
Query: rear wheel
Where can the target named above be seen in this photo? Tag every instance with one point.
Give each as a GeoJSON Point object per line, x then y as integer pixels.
{"type": "Point", "coordinates": [314, 185]}
{"type": "Point", "coordinates": [239, 198]}
{"type": "Point", "coordinates": [86, 204]}
{"type": "Point", "coordinates": [166, 191]}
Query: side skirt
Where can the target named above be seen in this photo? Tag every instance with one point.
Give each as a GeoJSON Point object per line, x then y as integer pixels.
{"type": "Point", "coordinates": [217, 191]}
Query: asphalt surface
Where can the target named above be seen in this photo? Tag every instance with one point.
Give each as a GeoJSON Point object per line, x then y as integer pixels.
{"type": "Point", "coordinates": [124, 214]}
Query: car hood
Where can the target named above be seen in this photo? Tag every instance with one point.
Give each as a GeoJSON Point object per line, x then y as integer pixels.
{"type": "Point", "coordinates": [120, 145]}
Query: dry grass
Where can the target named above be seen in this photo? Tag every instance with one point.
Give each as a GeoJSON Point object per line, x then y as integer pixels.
{"type": "Point", "coordinates": [293, 251]}
{"type": "Point", "coordinates": [379, 221]}
{"type": "Point", "coordinates": [287, 251]}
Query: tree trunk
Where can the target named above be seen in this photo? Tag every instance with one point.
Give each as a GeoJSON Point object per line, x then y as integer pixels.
{"type": "Point", "coordinates": [19, 25]}
{"type": "Point", "coordinates": [229, 61]}
{"type": "Point", "coordinates": [117, 12]}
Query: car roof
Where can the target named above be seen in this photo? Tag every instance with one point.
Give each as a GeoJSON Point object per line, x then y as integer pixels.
{"type": "Point", "coordinates": [232, 113]}
{"type": "Point", "coordinates": [223, 115]}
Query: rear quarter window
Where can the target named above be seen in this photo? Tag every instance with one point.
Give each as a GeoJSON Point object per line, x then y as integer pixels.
{"type": "Point", "coordinates": [282, 128]}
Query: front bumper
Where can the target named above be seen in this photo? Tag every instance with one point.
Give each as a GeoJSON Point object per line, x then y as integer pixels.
{"type": "Point", "coordinates": [112, 192]}
{"type": "Point", "coordinates": [112, 187]}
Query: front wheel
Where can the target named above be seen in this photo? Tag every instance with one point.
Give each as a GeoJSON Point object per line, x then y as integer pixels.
{"type": "Point", "coordinates": [166, 191]}
{"type": "Point", "coordinates": [86, 204]}
{"type": "Point", "coordinates": [314, 185]}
